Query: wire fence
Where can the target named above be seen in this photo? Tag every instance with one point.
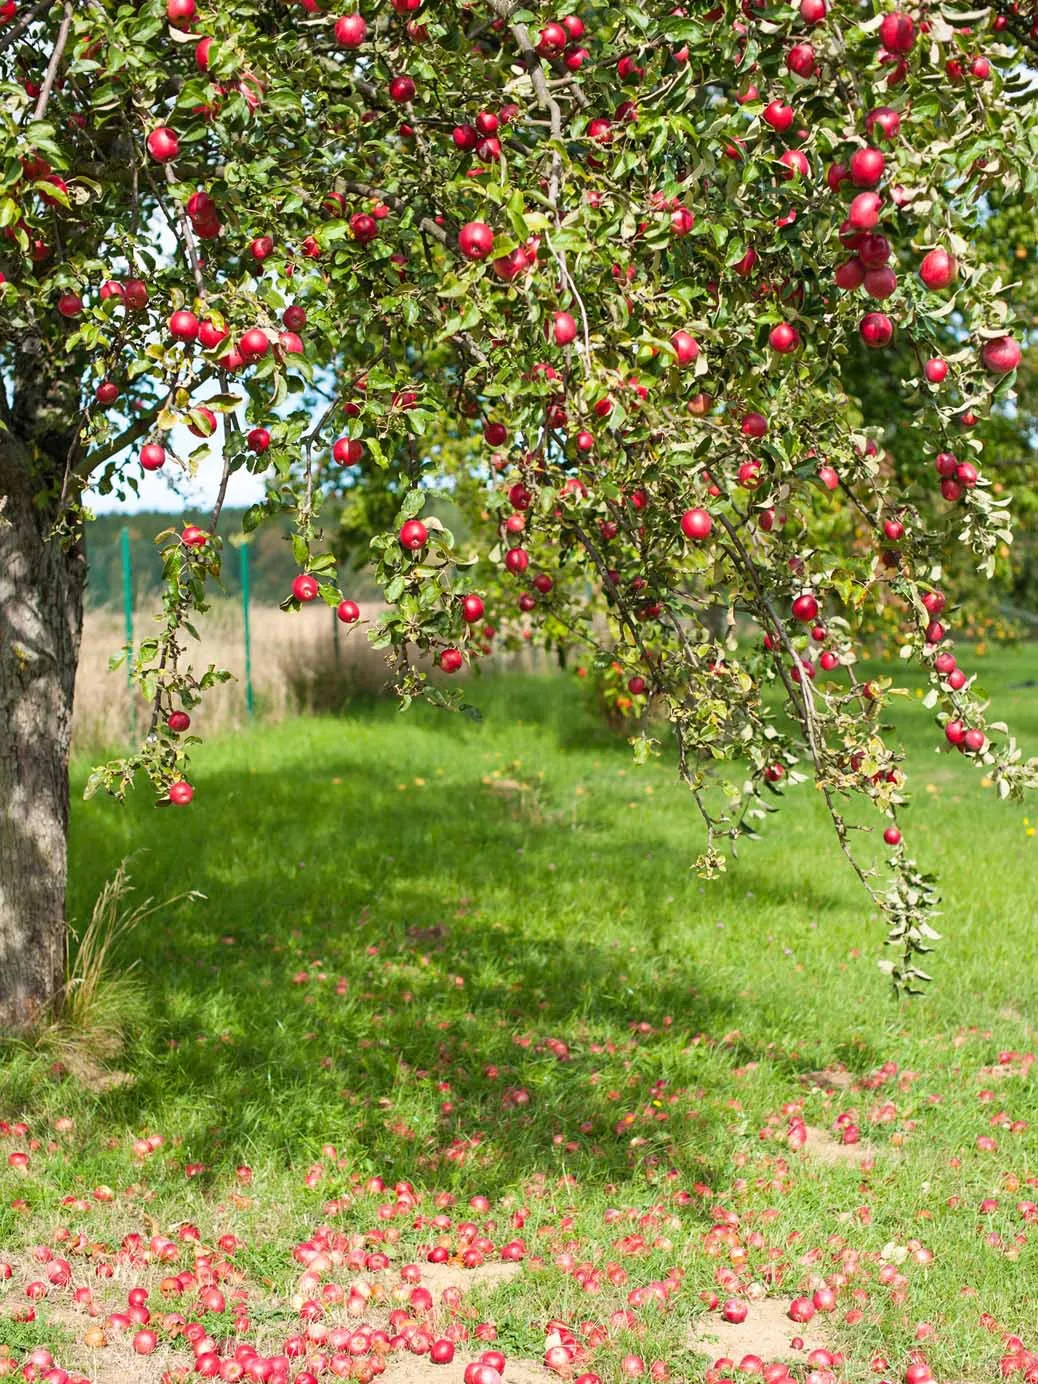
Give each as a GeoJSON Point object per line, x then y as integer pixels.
{"type": "Point", "coordinates": [280, 663]}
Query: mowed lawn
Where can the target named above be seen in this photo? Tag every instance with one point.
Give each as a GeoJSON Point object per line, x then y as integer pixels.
{"type": "Point", "coordinates": [475, 957]}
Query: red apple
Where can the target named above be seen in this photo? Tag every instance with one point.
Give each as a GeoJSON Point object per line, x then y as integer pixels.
{"type": "Point", "coordinates": [805, 608]}
{"type": "Point", "coordinates": [686, 348]}
{"type": "Point", "coordinates": [1001, 355]}
{"type": "Point", "coordinates": [348, 451]}
{"type": "Point", "coordinates": [880, 283]}
{"type": "Point", "coordinates": [783, 338]}
{"type": "Point", "coordinates": [350, 31]}
{"type": "Point", "coordinates": [254, 343]}
{"type": "Point", "coordinates": [897, 32]}
{"type": "Point", "coordinates": [885, 121]}
{"type": "Point", "coordinates": [475, 240]}
{"type": "Point", "coordinates": [795, 164]}
{"type": "Point", "coordinates": [849, 275]}
{"type": "Point", "coordinates": [696, 524]}
{"type": "Point", "coordinates": [754, 425]}
{"type": "Point", "coordinates": [144, 1342]}
{"type": "Point", "coordinates": [801, 60]}
{"type": "Point", "coordinates": [402, 90]}
{"type": "Point", "coordinates": [413, 535]}
{"type": "Point", "coordinates": [183, 325]}
{"type": "Point", "coordinates": [863, 212]}
{"type": "Point", "coordinates": [564, 328]}
{"type": "Point", "coordinates": [938, 269]}
{"type": "Point", "coordinates": [135, 294]}
{"type": "Point", "coordinates": [210, 335]}
{"type": "Point", "coordinates": [778, 116]}
{"type": "Point", "coordinates": [876, 330]}
{"type": "Point", "coordinates": [163, 144]}
{"type": "Point", "coordinates": [304, 588]}
{"type": "Point", "coordinates": [866, 166]}
{"type": "Point", "coordinates": [936, 370]}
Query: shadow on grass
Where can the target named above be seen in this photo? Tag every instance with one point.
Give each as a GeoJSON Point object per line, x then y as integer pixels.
{"type": "Point", "coordinates": [426, 980]}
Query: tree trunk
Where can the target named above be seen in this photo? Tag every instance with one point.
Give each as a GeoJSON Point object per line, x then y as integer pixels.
{"type": "Point", "coordinates": [41, 621]}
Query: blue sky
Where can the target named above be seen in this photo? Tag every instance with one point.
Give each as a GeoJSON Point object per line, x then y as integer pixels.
{"type": "Point", "coordinates": [157, 491]}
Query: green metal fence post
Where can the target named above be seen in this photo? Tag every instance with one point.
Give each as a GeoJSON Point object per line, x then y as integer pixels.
{"type": "Point", "coordinates": [124, 544]}
{"type": "Point", "coordinates": [250, 701]}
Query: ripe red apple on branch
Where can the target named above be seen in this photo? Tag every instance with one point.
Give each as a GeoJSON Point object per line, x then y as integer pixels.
{"type": "Point", "coordinates": [675, 359]}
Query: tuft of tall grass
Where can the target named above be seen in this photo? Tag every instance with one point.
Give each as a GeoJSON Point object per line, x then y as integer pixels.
{"type": "Point", "coordinates": [103, 1002]}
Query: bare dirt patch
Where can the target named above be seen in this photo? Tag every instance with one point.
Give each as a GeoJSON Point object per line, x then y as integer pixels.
{"type": "Point", "coordinates": [437, 1277]}
{"type": "Point", "coordinates": [767, 1332]}
{"type": "Point", "coordinates": [419, 1369]}
{"type": "Point", "coordinates": [1002, 1071]}
{"type": "Point", "coordinates": [81, 1068]}
{"type": "Point", "coordinates": [834, 1078]}
{"type": "Point", "coordinates": [117, 1363]}
{"type": "Point", "coordinates": [821, 1146]}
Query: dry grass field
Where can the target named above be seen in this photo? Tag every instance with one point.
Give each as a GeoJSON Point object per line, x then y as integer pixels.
{"type": "Point", "coordinates": [290, 653]}
{"type": "Point", "coordinates": [297, 665]}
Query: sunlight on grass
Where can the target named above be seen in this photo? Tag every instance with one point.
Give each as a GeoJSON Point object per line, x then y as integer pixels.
{"type": "Point", "coordinates": [475, 957]}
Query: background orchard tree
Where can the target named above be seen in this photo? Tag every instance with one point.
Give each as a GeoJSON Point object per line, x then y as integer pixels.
{"type": "Point", "coordinates": [612, 274]}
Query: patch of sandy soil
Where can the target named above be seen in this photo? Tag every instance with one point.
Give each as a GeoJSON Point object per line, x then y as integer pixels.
{"type": "Point", "coordinates": [117, 1363]}
{"type": "Point", "coordinates": [767, 1332]}
{"type": "Point", "coordinates": [824, 1148]}
{"type": "Point", "coordinates": [1002, 1071]}
{"type": "Point", "coordinates": [835, 1078]}
{"type": "Point", "coordinates": [437, 1277]}
{"type": "Point", "coordinates": [90, 1075]}
{"type": "Point", "coordinates": [419, 1369]}
{"type": "Point", "coordinates": [1014, 1016]}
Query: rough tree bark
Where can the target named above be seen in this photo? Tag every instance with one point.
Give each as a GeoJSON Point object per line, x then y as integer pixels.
{"type": "Point", "coordinates": [42, 575]}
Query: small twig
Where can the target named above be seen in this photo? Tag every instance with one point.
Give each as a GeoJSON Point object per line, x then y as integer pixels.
{"type": "Point", "coordinates": [14, 33]}
{"type": "Point", "coordinates": [126, 439]}
{"type": "Point", "coordinates": [548, 103]}
{"type": "Point", "coordinates": [190, 244]}
{"type": "Point", "coordinates": [603, 570]}
{"type": "Point", "coordinates": [221, 493]}
{"type": "Point", "coordinates": [804, 701]}
{"type": "Point", "coordinates": [55, 61]}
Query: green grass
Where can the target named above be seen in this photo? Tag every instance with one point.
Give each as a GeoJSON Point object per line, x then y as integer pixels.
{"type": "Point", "coordinates": [446, 930]}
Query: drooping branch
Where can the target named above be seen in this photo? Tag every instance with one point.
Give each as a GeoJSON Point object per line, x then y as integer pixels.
{"type": "Point", "coordinates": [803, 704]}
{"type": "Point", "coordinates": [188, 236]}
{"type": "Point", "coordinates": [57, 53]}
{"type": "Point", "coordinates": [1019, 25]}
{"type": "Point", "coordinates": [26, 21]}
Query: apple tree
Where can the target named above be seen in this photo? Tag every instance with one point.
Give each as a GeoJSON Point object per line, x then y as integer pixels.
{"type": "Point", "coordinates": [607, 278]}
